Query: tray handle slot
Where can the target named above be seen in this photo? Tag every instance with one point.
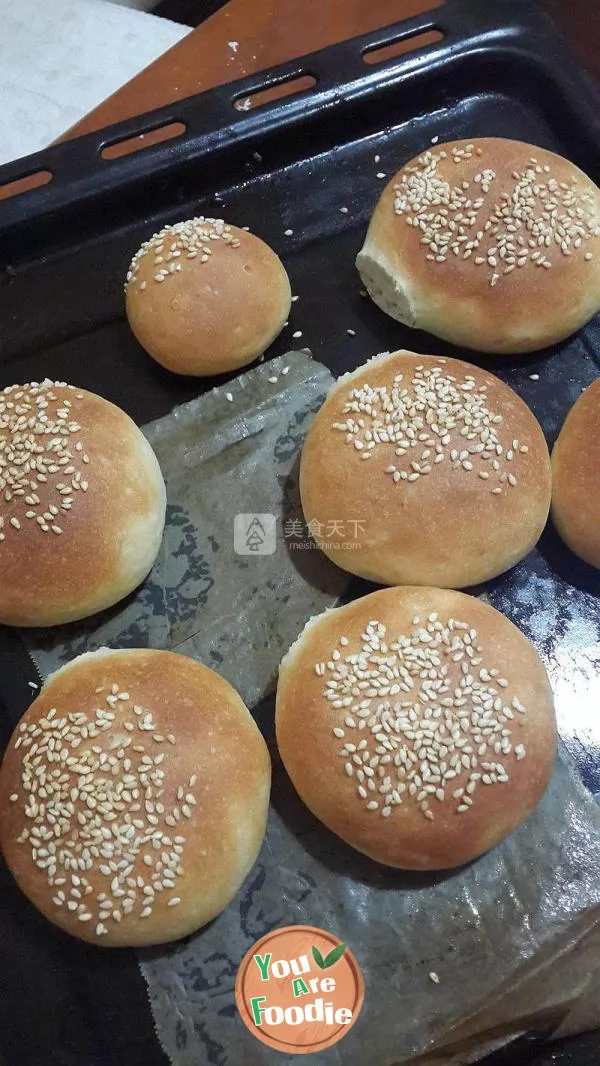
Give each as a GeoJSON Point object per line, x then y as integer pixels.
{"type": "Point", "coordinates": [26, 183]}
{"type": "Point", "coordinates": [139, 141]}
{"type": "Point", "coordinates": [266, 94]}
{"type": "Point", "coordinates": [400, 45]}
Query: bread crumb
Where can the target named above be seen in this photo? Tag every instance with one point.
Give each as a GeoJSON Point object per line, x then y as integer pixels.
{"type": "Point", "coordinates": [228, 396]}
{"type": "Point", "coordinates": [244, 105]}
{"type": "Point", "coordinates": [234, 45]}
{"type": "Point", "coordinates": [434, 977]}
{"type": "Point", "coordinates": [288, 232]}
{"type": "Point", "coordinates": [363, 292]}
{"type": "Point", "coordinates": [534, 377]}
{"type": "Point", "coordinates": [297, 334]}
{"type": "Point", "coordinates": [257, 156]}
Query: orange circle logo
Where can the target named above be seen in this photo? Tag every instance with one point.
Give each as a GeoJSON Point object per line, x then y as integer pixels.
{"type": "Point", "coordinates": [299, 989]}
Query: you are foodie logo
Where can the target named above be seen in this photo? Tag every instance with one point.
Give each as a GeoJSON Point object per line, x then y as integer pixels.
{"type": "Point", "coordinates": [299, 989]}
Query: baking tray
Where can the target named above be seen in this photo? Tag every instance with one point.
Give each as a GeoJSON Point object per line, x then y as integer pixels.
{"type": "Point", "coordinates": [293, 164]}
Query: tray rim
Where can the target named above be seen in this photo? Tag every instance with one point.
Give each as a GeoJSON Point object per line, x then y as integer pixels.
{"type": "Point", "coordinates": [513, 27]}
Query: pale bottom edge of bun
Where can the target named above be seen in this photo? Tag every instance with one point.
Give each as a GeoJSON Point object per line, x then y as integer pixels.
{"type": "Point", "coordinates": [85, 656]}
{"type": "Point", "coordinates": [384, 289]}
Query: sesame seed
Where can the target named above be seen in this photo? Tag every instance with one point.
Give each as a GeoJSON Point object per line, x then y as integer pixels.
{"type": "Point", "coordinates": [285, 371]}
{"type": "Point", "coordinates": [380, 174]}
{"type": "Point", "coordinates": [534, 377]}
{"type": "Point", "coordinates": [112, 784]}
{"type": "Point", "coordinates": [411, 745]}
{"type": "Point", "coordinates": [396, 414]}
{"type": "Point", "coordinates": [229, 397]}
{"type": "Point", "coordinates": [174, 902]}
{"type": "Point", "coordinates": [469, 216]}
{"type": "Point", "coordinates": [273, 379]}
{"type": "Point", "coordinates": [186, 239]}
{"type": "Point", "coordinates": [297, 334]}
{"type": "Point", "coordinates": [434, 977]}
{"type": "Point", "coordinates": [36, 436]}
{"type": "Point", "coordinates": [288, 232]}
{"type": "Point", "coordinates": [344, 210]}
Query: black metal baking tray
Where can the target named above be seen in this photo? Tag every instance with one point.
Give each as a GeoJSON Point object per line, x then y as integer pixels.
{"type": "Point", "coordinates": [293, 164]}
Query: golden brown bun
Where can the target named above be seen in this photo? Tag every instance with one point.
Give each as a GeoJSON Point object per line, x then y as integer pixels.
{"type": "Point", "coordinates": [222, 298]}
{"type": "Point", "coordinates": [457, 276]}
{"type": "Point", "coordinates": [82, 521]}
{"type": "Point", "coordinates": [575, 467]}
{"type": "Point", "coordinates": [430, 685]}
{"type": "Point", "coordinates": [200, 813]}
{"type": "Point", "coordinates": [446, 525]}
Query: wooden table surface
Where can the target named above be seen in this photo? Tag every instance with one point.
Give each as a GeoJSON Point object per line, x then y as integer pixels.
{"type": "Point", "coordinates": [273, 31]}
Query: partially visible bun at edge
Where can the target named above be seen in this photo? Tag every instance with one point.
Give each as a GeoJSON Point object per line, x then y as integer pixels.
{"type": "Point", "coordinates": [576, 478]}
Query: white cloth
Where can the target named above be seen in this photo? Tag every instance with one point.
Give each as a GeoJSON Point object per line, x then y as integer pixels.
{"type": "Point", "coordinates": [60, 58]}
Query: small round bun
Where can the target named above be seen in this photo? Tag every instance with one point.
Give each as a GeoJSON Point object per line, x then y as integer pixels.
{"type": "Point", "coordinates": [490, 244]}
{"type": "Point", "coordinates": [82, 504]}
{"type": "Point", "coordinates": [133, 797]}
{"type": "Point", "coordinates": [425, 471]}
{"type": "Point", "coordinates": [417, 724]}
{"type": "Point", "coordinates": [205, 298]}
{"type": "Point", "coordinates": [575, 466]}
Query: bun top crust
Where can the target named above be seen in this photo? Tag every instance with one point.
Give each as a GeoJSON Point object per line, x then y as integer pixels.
{"type": "Point", "coordinates": [444, 467]}
{"type": "Point", "coordinates": [82, 504]}
{"type": "Point", "coordinates": [417, 724]}
{"type": "Point", "coordinates": [204, 297]}
{"type": "Point", "coordinates": [133, 797]}
{"type": "Point", "coordinates": [494, 245]}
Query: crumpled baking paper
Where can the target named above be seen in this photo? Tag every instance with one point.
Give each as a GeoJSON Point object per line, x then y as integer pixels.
{"type": "Point", "coordinates": [513, 937]}
{"type": "Point", "coordinates": [503, 934]}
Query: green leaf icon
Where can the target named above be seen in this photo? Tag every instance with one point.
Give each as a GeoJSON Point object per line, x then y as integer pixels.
{"type": "Point", "coordinates": [316, 954]}
{"type": "Point", "coordinates": [332, 958]}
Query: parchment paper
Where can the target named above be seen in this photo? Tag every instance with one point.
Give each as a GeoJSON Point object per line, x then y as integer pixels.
{"type": "Point", "coordinates": [505, 936]}
{"type": "Point", "coordinates": [514, 937]}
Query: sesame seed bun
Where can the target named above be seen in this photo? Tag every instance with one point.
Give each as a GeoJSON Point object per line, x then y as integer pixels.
{"type": "Point", "coordinates": [457, 486]}
{"type": "Point", "coordinates": [82, 504]}
{"type": "Point", "coordinates": [135, 789]}
{"type": "Point", "coordinates": [575, 465]}
{"type": "Point", "coordinates": [417, 724]}
{"type": "Point", "coordinates": [205, 298]}
{"type": "Point", "coordinates": [491, 244]}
